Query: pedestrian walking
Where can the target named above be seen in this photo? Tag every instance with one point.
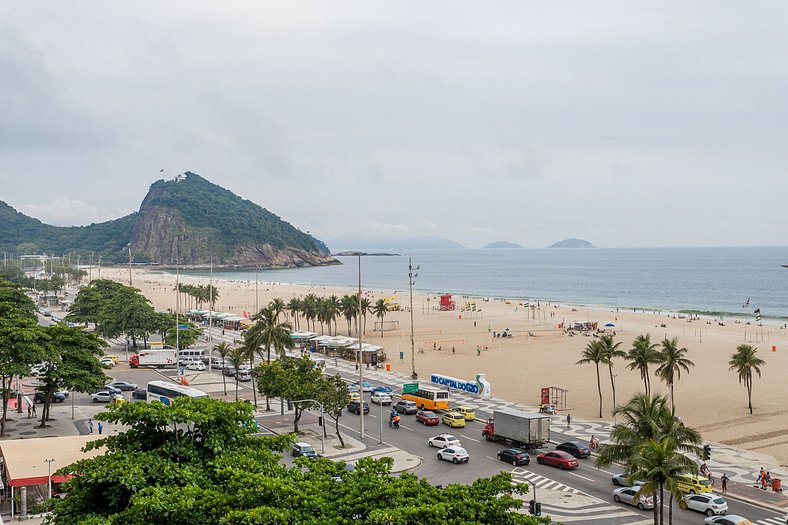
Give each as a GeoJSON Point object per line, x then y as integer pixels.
{"type": "Point", "coordinates": [568, 420]}
{"type": "Point", "coordinates": [90, 425]}
{"type": "Point", "coordinates": [100, 427]}
{"type": "Point", "coordinates": [34, 410]}
{"type": "Point", "coordinates": [478, 351]}
{"type": "Point", "coordinates": [452, 350]}
{"type": "Point", "coordinates": [724, 480]}
{"type": "Point", "coordinates": [29, 411]}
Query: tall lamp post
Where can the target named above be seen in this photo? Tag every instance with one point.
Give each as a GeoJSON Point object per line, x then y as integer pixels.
{"type": "Point", "coordinates": [49, 477]}
{"type": "Point", "coordinates": [360, 357]}
{"type": "Point", "coordinates": [129, 247]}
{"type": "Point", "coordinates": [411, 282]}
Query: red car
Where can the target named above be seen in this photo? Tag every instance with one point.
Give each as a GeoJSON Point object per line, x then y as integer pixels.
{"type": "Point", "coordinates": [428, 418]}
{"type": "Point", "coordinates": [558, 459]}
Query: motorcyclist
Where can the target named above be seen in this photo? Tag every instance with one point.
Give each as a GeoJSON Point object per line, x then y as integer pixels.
{"type": "Point", "coordinates": [394, 419]}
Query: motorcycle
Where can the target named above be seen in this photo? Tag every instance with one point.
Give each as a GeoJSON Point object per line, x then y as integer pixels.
{"type": "Point", "coordinates": [394, 423]}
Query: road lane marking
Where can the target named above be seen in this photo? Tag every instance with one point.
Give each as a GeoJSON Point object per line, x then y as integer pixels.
{"type": "Point", "coordinates": [488, 457]}
{"type": "Point", "coordinates": [472, 439]}
{"type": "Point", "coordinates": [582, 477]}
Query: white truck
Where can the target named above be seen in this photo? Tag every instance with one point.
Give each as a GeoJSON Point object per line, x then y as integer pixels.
{"type": "Point", "coordinates": [157, 358]}
{"type": "Point", "coordinates": [518, 428]}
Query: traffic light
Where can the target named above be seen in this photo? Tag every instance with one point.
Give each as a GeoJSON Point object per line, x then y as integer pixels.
{"type": "Point", "coordinates": [320, 421]}
{"type": "Point", "coordinates": [537, 509]}
{"type": "Point", "coordinates": [706, 452]}
{"type": "Point", "coordinates": [532, 506]}
{"type": "Point", "coordinates": [290, 404]}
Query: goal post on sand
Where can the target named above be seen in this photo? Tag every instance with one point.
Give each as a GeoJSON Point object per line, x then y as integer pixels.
{"type": "Point", "coordinates": [387, 326]}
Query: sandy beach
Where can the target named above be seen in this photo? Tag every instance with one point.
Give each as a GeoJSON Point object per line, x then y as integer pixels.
{"type": "Point", "coordinates": [540, 354]}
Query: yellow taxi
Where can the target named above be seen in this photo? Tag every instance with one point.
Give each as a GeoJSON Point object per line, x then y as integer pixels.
{"type": "Point", "coordinates": [354, 396]}
{"type": "Point", "coordinates": [454, 419]}
{"type": "Point", "coordinates": [113, 357]}
{"type": "Point", "coordinates": [468, 412]}
{"type": "Point", "coordinates": [690, 484]}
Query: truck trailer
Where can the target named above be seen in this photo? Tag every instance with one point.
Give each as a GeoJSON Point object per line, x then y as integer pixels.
{"type": "Point", "coordinates": [518, 428]}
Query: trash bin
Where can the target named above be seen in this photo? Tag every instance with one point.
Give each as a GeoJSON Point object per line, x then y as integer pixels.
{"type": "Point", "coordinates": [776, 482]}
{"type": "Point", "coordinates": [388, 369]}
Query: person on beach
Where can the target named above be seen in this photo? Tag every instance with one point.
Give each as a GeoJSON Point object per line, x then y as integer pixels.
{"type": "Point", "coordinates": [724, 480]}
{"type": "Point", "coordinates": [90, 425]}
{"type": "Point", "coordinates": [568, 420]}
{"type": "Point", "coordinates": [478, 351]}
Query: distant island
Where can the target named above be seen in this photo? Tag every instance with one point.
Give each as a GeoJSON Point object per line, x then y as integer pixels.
{"type": "Point", "coordinates": [572, 243]}
{"type": "Point", "coordinates": [503, 244]}
{"type": "Point", "coordinates": [365, 254]}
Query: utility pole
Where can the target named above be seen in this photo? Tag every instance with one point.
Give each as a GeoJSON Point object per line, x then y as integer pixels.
{"type": "Point", "coordinates": [210, 322]}
{"type": "Point", "coordinates": [177, 309]}
{"type": "Point", "coordinates": [129, 247]}
{"type": "Point", "coordinates": [411, 282]}
{"type": "Point", "coordinates": [360, 358]}
{"type": "Point", "coordinates": [99, 267]}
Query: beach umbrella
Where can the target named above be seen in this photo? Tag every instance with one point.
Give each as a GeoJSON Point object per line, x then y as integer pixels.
{"type": "Point", "coordinates": [610, 325]}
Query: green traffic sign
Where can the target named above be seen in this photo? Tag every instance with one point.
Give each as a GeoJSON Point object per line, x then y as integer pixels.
{"type": "Point", "coordinates": [410, 388]}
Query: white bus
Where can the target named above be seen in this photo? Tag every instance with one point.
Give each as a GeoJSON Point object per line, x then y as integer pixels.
{"type": "Point", "coordinates": [165, 392]}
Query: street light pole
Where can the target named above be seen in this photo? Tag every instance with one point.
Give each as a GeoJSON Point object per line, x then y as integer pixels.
{"type": "Point", "coordinates": [360, 358]}
{"type": "Point", "coordinates": [129, 247]}
{"type": "Point", "coordinates": [411, 282]}
{"type": "Point", "coordinates": [380, 440]}
{"type": "Point", "coordinates": [49, 477]}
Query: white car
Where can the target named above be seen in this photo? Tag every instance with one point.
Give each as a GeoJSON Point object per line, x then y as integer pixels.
{"type": "Point", "coordinates": [730, 519]}
{"type": "Point", "coordinates": [217, 362]}
{"type": "Point", "coordinates": [629, 495]}
{"type": "Point", "coordinates": [104, 396]}
{"type": "Point", "coordinates": [380, 398]}
{"type": "Point", "coordinates": [620, 480]}
{"type": "Point", "coordinates": [454, 454]}
{"type": "Point", "coordinates": [107, 362]}
{"type": "Point", "coordinates": [709, 504]}
{"type": "Point", "coordinates": [443, 441]}
{"type": "Point", "coordinates": [196, 365]}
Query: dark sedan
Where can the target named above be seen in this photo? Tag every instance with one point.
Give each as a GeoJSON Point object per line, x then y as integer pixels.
{"type": "Point", "coordinates": [140, 394]}
{"type": "Point", "coordinates": [515, 456]}
{"type": "Point", "coordinates": [428, 418]}
{"type": "Point", "coordinates": [575, 448]}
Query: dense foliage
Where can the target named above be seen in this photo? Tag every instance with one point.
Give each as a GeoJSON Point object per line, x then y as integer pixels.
{"type": "Point", "coordinates": [198, 462]}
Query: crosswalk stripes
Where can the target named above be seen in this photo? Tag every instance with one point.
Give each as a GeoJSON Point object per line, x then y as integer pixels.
{"type": "Point", "coordinates": [777, 520]}
{"type": "Point", "coordinates": [541, 482]}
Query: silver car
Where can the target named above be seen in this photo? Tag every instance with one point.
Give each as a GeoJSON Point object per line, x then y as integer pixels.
{"type": "Point", "coordinates": [629, 496]}
{"type": "Point", "coordinates": [730, 519]}
{"type": "Point", "coordinates": [620, 480]}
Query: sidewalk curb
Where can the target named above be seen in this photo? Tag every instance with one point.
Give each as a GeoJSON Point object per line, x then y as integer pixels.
{"type": "Point", "coordinates": [755, 503]}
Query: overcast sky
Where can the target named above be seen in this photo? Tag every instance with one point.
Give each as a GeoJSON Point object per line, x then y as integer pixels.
{"type": "Point", "coordinates": [624, 123]}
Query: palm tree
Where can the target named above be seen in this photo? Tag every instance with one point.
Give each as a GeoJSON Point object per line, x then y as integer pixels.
{"type": "Point", "coordinates": [743, 362]}
{"type": "Point", "coordinates": [332, 312]}
{"type": "Point", "coordinates": [611, 351]}
{"type": "Point", "coordinates": [236, 357]}
{"type": "Point", "coordinates": [278, 306]}
{"type": "Point", "coordinates": [672, 363]}
{"type": "Point", "coordinates": [295, 307]}
{"type": "Point", "coordinates": [269, 333]}
{"type": "Point", "coordinates": [642, 354]}
{"type": "Point", "coordinates": [659, 464]}
{"type": "Point", "coordinates": [594, 353]}
{"type": "Point", "coordinates": [380, 309]}
{"type": "Point", "coordinates": [224, 350]}
{"type": "Point", "coordinates": [348, 306]}
{"type": "Point", "coordinates": [248, 352]}
{"type": "Point", "coordinates": [366, 306]}
{"type": "Point", "coordinates": [309, 309]}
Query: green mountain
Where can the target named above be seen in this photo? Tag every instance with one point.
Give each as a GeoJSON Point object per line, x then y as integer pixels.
{"type": "Point", "coordinates": [188, 216]}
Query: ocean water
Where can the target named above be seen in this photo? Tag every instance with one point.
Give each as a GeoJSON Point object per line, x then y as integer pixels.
{"type": "Point", "coordinates": [712, 281]}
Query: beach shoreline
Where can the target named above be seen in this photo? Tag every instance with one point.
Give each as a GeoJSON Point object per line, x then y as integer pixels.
{"type": "Point", "coordinates": [540, 354]}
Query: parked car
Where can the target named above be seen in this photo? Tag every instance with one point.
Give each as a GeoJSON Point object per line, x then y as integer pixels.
{"type": "Point", "coordinates": [515, 456]}
{"type": "Point", "coordinates": [104, 396]}
{"type": "Point", "coordinates": [113, 390]}
{"type": "Point", "coordinates": [39, 369]}
{"type": "Point", "coordinates": [355, 407]}
{"type": "Point", "coordinates": [57, 397]}
{"type": "Point", "coordinates": [454, 454]}
{"type": "Point", "coordinates": [140, 394]}
{"type": "Point", "coordinates": [382, 388]}
{"type": "Point", "coordinates": [453, 419]}
{"type": "Point", "coordinates": [709, 504]}
{"type": "Point", "coordinates": [380, 398]}
{"type": "Point", "coordinates": [629, 496]}
{"type": "Point", "coordinates": [730, 519]}
{"type": "Point", "coordinates": [228, 370]}
{"type": "Point", "coordinates": [243, 374]}
{"type": "Point", "coordinates": [364, 385]}
{"type": "Point", "coordinates": [406, 407]}
{"type": "Point", "coordinates": [303, 449]}
{"type": "Point", "coordinates": [124, 385]}
{"type": "Point", "coordinates": [575, 448]}
{"type": "Point", "coordinates": [558, 459]}
{"type": "Point", "coordinates": [427, 418]}
{"type": "Point", "coordinates": [620, 480]}
{"type": "Point", "coordinates": [199, 366]}
{"type": "Point", "coordinates": [468, 412]}
{"type": "Point", "coordinates": [217, 362]}
{"type": "Point", "coordinates": [106, 362]}
{"type": "Point", "coordinates": [443, 440]}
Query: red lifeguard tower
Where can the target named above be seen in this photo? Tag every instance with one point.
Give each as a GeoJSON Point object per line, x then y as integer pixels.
{"type": "Point", "coordinates": [446, 302]}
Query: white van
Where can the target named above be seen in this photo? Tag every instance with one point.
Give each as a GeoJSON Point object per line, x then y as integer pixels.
{"type": "Point", "coordinates": [244, 374]}
{"type": "Point", "coordinates": [192, 354]}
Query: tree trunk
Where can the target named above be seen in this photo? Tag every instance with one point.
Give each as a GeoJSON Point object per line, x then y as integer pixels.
{"type": "Point", "coordinates": [661, 508]}
{"type": "Point", "coordinates": [599, 387]}
{"type": "Point", "coordinates": [236, 384]}
{"type": "Point", "coordinates": [339, 434]}
{"type": "Point", "coordinates": [6, 387]}
{"type": "Point", "coordinates": [224, 382]}
{"type": "Point", "coordinates": [254, 391]}
{"type": "Point", "coordinates": [748, 383]}
{"type": "Point", "coordinates": [672, 403]}
{"type": "Point", "coordinates": [612, 384]}
{"type": "Point", "coordinates": [670, 510]}
{"type": "Point", "coordinates": [296, 418]}
{"type": "Point", "coordinates": [656, 508]}
{"type": "Point", "coordinates": [645, 381]}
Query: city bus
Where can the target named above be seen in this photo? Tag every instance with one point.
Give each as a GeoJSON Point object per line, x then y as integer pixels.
{"type": "Point", "coordinates": [165, 392]}
{"type": "Point", "coordinates": [429, 398]}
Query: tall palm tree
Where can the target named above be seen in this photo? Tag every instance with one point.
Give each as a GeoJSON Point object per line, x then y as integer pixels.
{"type": "Point", "coordinates": [642, 354]}
{"type": "Point", "coordinates": [594, 353]}
{"type": "Point", "coordinates": [659, 463]}
{"type": "Point", "coordinates": [295, 308]}
{"type": "Point", "coordinates": [323, 314]}
{"type": "Point", "coordinates": [224, 350]}
{"type": "Point", "coordinates": [611, 351]}
{"type": "Point", "coordinates": [278, 306]}
{"type": "Point", "coordinates": [309, 309]}
{"type": "Point", "coordinates": [366, 306]}
{"type": "Point", "coordinates": [266, 334]}
{"type": "Point", "coordinates": [672, 363]}
{"type": "Point", "coordinates": [380, 309]}
{"type": "Point", "coordinates": [237, 357]}
{"type": "Point", "coordinates": [348, 306]}
{"type": "Point", "coordinates": [743, 362]}
{"type": "Point", "coordinates": [332, 312]}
